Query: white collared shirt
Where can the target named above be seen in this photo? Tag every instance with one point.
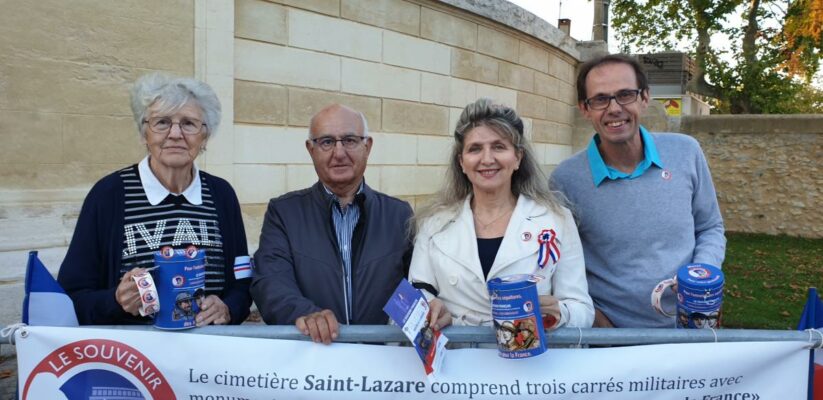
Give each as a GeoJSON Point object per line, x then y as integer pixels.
{"type": "Point", "coordinates": [156, 192]}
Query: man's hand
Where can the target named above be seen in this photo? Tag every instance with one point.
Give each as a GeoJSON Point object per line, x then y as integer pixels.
{"type": "Point", "coordinates": [439, 316]}
{"type": "Point", "coordinates": [601, 320]}
{"type": "Point", "coordinates": [127, 294]}
{"type": "Point", "coordinates": [213, 311]}
{"type": "Point", "coordinates": [322, 326]}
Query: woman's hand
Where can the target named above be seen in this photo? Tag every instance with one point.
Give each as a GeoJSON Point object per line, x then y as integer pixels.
{"type": "Point", "coordinates": [213, 311]}
{"type": "Point", "coordinates": [549, 310]}
{"type": "Point", "coordinates": [127, 294]}
{"type": "Point", "coordinates": [439, 316]}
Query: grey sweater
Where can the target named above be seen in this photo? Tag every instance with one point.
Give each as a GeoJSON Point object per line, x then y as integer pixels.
{"type": "Point", "coordinates": [637, 232]}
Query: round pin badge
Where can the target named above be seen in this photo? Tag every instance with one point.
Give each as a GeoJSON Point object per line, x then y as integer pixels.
{"type": "Point", "coordinates": [191, 251]}
{"type": "Point", "coordinates": [526, 236]}
{"type": "Point", "coordinates": [167, 252]}
{"type": "Point", "coordinates": [666, 174]}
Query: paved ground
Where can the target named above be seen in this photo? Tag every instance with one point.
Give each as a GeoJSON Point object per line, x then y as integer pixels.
{"type": "Point", "coordinates": [8, 372]}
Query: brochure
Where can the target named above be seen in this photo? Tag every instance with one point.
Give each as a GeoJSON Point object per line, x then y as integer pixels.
{"type": "Point", "coordinates": [409, 309]}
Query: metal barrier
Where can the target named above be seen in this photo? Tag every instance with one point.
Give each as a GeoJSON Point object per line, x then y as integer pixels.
{"type": "Point", "coordinates": [483, 334]}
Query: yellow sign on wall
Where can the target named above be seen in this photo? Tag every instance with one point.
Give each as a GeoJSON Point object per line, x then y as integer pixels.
{"type": "Point", "coordinates": [673, 106]}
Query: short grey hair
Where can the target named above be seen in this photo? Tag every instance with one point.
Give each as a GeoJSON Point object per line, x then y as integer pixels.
{"type": "Point", "coordinates": [362, 119]}
{"type": "Point", "coordinates": [170, 93]}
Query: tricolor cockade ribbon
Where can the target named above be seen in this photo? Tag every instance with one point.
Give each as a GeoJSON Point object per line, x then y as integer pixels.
{"type": "Point", "coordinates": [547, 240]}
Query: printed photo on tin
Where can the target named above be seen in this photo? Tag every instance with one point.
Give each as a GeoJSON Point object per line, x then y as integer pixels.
{"type": "Point", "coordinates": [182, 306]}
{"type": "Point", "coordinates": [517, 334]}
{"type": "Point", "coordinates": [408, 308]}
{"type": "Point", "coordinates": [698, 320]}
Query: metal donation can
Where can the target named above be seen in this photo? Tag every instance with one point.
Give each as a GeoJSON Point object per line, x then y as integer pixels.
{"type": "Point", "coordinates": [180, 276]}
{"type": "Point", "coordinates": [516, 314]}
{"type": "Point", "coordinates": [699, 296]}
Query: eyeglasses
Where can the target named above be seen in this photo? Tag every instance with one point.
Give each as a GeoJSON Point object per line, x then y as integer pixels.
{"type": "Point", "coordinates": [623, 97]}
{"type": "Point", "coordinates": [162, 125]}
{"type": "Point", "coordinates": [350, 142]}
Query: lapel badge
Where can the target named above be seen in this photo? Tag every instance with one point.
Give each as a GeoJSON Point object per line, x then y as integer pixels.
{"type": "Point", "coordinates": [526, 236]}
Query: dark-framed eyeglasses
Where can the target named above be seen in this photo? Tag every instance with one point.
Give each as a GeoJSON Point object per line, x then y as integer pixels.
{"type": "Point", "coordinates": [622, 97]}
{"type": "Point", "coordinates": [162, 125]}
{"type": "Point", "coordinates": [350, 142]}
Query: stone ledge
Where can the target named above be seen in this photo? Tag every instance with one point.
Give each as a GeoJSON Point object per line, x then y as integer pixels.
{"type": "Point", "coordinates": [749, 124]}
{"type": "Point", "coordinates": [515, 17]}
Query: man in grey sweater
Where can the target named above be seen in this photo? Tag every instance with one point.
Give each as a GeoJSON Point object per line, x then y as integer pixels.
{"type": "Point", "coordinates": [644, 202]}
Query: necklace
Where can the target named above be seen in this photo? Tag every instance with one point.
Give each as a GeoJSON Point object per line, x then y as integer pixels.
{"type": "Point", "coordinates": [484, 225]}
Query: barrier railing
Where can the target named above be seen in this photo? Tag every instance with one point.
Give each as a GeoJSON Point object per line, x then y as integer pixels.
{"type": "Point", "coordinates": [480, 334]}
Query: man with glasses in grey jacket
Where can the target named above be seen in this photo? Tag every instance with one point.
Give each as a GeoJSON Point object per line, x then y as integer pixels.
{"type": "Point", "coordinates": [334, 252]}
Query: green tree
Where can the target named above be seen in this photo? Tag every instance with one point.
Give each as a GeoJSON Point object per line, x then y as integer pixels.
{"type": "Point", "coordinates": [776, 47]}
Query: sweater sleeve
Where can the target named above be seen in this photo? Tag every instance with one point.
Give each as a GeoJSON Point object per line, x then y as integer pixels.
{"type": "Point", "coordinates": [85, 274]}
{"type": "Point", "coordinates": [710, 241]}
{"type": "Point", "coordinates": [274, 286]}
{"type": "Point", "coordinates": [236, 292]}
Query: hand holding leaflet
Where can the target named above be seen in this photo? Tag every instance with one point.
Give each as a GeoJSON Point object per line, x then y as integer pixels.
{"type": "Point", "coordinates": [408, 308]}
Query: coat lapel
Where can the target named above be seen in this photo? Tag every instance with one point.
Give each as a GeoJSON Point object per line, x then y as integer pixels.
{"type": "Point", "coordinates": [520, 240]}
{"type": "Point", "coordinates": [458, 241]}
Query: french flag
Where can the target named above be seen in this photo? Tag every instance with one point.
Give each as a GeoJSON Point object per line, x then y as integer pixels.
{"type": "Point", "coordinates": [45, 304]}
{"type": "Point", "coordinates": [812, 318]}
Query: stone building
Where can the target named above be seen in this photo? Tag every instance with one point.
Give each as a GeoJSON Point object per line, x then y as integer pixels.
{"type": "Point", "coordinates": [409, 65]}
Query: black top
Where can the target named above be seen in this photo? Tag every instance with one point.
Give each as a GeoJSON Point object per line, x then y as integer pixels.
{"type": "Point", "coordinates": [487, 250]}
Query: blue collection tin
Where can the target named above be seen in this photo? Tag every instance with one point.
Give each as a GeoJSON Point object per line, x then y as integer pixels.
{"type": "Point", "coordinates": [180, 276]}
{"type": "Point", "coordinates": [516, 314]}
{"type": "Point", "coordinates": [699, 296]}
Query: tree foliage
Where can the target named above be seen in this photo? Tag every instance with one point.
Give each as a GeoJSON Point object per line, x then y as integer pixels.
{"type": "Point", "coordinates": [774, 49]}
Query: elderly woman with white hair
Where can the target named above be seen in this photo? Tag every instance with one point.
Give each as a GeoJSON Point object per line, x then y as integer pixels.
{"type": "Point", "coordinates": [164, 200]}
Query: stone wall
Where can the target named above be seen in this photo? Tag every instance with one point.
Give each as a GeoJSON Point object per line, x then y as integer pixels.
{"type": "Point", "coordinates": [65, 71]}
{"type": "Point", "coordinates": [766, 169]}
{"type": "Point", "coordinates": [64, 113]}
{"type": "Point", "coordinates": [410, 66]}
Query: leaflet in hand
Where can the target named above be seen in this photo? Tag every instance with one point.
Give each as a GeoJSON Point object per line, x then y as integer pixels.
{"type": "Point", "coordinates": [409, 309]}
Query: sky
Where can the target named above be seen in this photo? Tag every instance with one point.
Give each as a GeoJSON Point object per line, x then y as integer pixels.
{"type": "Point", "coordinates": [580, 12]}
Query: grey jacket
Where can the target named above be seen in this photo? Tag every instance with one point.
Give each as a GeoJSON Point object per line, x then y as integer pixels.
{"type": "Point", "coordinates": [298, 269]}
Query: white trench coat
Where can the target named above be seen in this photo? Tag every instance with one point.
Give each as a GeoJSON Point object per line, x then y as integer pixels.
{"type": "Point", "coordinates": [446, 257]}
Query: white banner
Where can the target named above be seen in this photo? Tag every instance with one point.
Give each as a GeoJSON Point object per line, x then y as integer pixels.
{"type": "Point", "coordinates": [74, 363]}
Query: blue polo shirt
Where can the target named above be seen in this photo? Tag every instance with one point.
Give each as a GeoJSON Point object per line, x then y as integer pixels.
{"type": "Point", "coordinates": [601, 171]}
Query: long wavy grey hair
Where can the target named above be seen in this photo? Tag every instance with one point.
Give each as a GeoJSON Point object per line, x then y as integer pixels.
{"type": "Point", "coordinates": [529, 180]}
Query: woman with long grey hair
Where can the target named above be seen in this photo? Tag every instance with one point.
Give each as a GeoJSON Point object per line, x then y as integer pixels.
{"type": "Point", "coordinates": [495, 216]}
{"type": "Point", "coordinates": [164, 200]}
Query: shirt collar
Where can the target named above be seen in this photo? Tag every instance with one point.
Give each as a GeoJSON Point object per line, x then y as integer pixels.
{"type": "Point", "coordinates": [334, 196]}
{"type": "Point", "coordinates": [601, 171]}
{"type": "Point", "coordinates": [156, 192]}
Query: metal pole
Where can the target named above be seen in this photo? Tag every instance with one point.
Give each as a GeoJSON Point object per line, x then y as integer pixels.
{"type": "Point", "coordinates": [481, 334]}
